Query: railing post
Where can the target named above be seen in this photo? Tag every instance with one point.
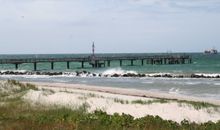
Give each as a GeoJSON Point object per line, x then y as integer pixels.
{"type": "Point", "coordinates": [120, 62]}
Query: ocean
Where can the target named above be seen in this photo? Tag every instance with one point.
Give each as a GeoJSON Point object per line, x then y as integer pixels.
{"type": "Point", "coordinates": [205, 64]}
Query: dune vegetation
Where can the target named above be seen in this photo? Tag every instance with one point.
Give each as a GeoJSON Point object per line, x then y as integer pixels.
{"type": "Point", "coordinates": [17, 114]}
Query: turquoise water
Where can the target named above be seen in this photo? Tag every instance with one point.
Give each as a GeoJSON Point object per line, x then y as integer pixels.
{"type": "Point", "coordinates": [202, 63]}
{"type": "Point", "coordinates": [202, 88]}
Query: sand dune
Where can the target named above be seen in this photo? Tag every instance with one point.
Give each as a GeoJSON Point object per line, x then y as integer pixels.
{"type": "Point", "coordinates": [114, 100]}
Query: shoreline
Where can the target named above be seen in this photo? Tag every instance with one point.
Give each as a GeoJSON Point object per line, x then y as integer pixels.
{"type": "Point", "coordinates": [126, 92]}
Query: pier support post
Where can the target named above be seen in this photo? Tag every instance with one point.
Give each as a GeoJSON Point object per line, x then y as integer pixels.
{"type": "Point", "coordinates": [109, 62]}
{"type": "Point", "coordinates": [16, 66]}
{"type": "Point", "coordinates": [52, 65]}
{"type": "Point", "coordinates": [182, 61]}
{"type": "Point", "coordinates": [35, 66]}
{"type": "Point", "coordinates": [142, 62]}
{"type": "Point", "coordinates": [190, 61]}
{"type": "Point", "coordinates": [147, 62]}
{"type": "Point", "coordinates": [132, 62]}
{"type": "Point", "coordinates": [120, 62]}
{"type": "Point", "coordinates": [68, 65]}
{"type": "Point", "coordinates": [96, 64]}
{"type": "Point", "coordinates": [82, 64]}
{"type": "Point", "coordinates": [152, 61]}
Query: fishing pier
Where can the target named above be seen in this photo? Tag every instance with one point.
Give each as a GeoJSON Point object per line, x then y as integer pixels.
{"type": "Point", "coordinates": [103, 61]}
{"type": "Point", "coordinates": [97, 62]}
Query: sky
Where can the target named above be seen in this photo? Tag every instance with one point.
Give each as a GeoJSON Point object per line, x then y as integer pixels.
{"type": "Point", "coordinates": [116, 26]}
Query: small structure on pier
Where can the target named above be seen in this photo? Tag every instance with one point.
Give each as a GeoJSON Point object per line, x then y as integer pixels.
{"type": "Point", "coordinates": [94, 62]}
{"type": "Point", "coordinates": [93, 49]}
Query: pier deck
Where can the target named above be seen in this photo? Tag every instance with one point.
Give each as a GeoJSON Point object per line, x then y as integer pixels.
{"type": "Point", "coordinates": [98, 61]}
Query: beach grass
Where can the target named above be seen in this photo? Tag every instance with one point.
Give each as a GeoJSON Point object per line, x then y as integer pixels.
{"type": "Point", "coordinates": [121, 101]}
{"type": "Point", "coordinates": [143, 102]}
{"type": "Point", "coordinates": [15, 114]}
{"type": "Point", "coordinates": [196, 104]}
{"type": "Point", "coordinates": [21, 116]}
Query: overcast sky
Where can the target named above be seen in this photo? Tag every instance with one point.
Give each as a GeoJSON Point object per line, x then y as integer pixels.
{"type": "Point", "coordinates": [70, 26]}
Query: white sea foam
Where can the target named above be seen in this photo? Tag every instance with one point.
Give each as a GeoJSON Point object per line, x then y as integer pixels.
{"type": "Point", "coordinates": [69, 74]}
{"type": "Point", "coordinates": [174, 91]}
{"type": "Point", "coordinates": [155, 74]}
{"type": "Point", "coordinates": [192, 83]}
{"type": "Point", "coordinates": [118, 71]}
{"type": "Point", "coordinates": [208, 75]}
{"type": "Point", "coordinates": [147, 82]}
{"type": "Point", "coordinates": [19, 71]}
{"type": "Point", "coordinates": [217, 84]}
{"type": "Point", "coordinates": [34, 76]}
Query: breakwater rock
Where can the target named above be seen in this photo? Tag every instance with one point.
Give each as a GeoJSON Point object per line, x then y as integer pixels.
{"type": "Point", "coordinates": [90, 74]}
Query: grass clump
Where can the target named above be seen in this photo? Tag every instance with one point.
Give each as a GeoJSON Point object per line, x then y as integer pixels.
{"type": "Point", "coordinates": [143, 102]}
{"type": "Point", "coordinates": [92, 95]}
{"type": "Point", "coordinates": [197, 105]}
{"type": "Point", "coordinates": [117, 100]}
{"type": "Point", "coordinates": [11, 91]}
{"type": "Point", "coordinates": [22, 86]}
{"type": "Point", "coordinates": [47, 91]}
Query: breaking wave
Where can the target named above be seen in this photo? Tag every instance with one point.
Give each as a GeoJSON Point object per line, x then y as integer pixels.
{"type": "Point", "coordinates": [118, 71]}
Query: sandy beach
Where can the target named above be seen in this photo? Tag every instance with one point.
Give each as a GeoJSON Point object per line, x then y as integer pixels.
{"type": "Point", "coordinates": [129, 101]}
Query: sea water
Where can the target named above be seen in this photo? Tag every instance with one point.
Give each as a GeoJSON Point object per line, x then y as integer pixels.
{"type": "Point", "coordinates": [202, 64]}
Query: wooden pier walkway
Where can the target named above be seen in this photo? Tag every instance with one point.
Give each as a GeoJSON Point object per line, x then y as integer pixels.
{"type": "Point", "coordinates": [97, 62]}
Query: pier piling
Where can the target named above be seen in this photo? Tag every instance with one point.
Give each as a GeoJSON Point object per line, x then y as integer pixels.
{"type": "Point", "coordinates": [82, 64]}
{"type": "Point", "coordinates": [109, 63]}
{"type": "Point", "coordinates": [68, 65]}
{"type": "Point", "coordinates": [16, 66]}
{"type": "Point", "coordinates": [52, 65]}
{"type": "Point", "coordinates": [35, 66]}
{"type": "Point", "coordinates": [132, 62]}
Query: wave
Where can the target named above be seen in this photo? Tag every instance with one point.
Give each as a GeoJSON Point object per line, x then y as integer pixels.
{"type": "Point", "coordinates": [118, 71]}
{"type": "Point", "coordinates": [192, 83]}
{"type": "Point", "coordinates": [217, 75]}
{"type": "Point", "coordinates": [148, 82]}
{"type": "Point", "coordinates": [217, 84]}
{"type": "Point", "coordinates": [114, 72]}
{"type": "Point", "coordinates": [174, 91]}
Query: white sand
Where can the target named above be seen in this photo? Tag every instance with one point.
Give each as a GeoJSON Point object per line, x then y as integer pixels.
{"type": "Point", "coordinates": [104, 98]}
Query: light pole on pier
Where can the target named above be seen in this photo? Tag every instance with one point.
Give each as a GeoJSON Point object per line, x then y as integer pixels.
{"type": "Point", "coordinates": [93, 49]}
